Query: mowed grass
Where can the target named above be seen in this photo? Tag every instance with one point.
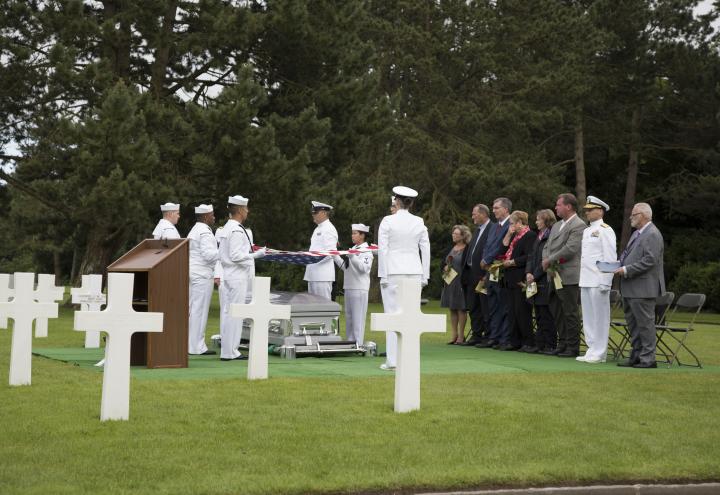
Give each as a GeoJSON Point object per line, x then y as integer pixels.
{"type": "Point", "coordinates": [314, 435]}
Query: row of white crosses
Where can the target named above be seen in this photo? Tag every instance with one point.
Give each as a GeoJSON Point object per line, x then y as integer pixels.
{"type": "Point", "coordinates": [120, 321]}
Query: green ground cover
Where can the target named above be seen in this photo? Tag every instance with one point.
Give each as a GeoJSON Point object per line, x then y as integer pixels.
{"type": "Point", "coordinates": [488, 419]}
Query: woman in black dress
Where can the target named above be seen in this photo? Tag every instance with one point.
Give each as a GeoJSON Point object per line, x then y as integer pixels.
{"type": "Point", "coordinates": [453, 296]}
{"type": "Point", "coordinates": [545, 334]}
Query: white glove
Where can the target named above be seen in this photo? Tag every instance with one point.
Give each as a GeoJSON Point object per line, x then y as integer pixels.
{"type": "Point", "coordinates": [260, 253]}
{"type": "Point", "coordinates": [384, 283]}
{"type": "Point", "coordinates": [604, 289]}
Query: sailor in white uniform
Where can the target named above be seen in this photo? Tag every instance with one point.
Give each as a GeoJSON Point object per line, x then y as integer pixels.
{"type": "Point", "coordinates": [203, 256]}
{"type": "Point", "coordinates": [403, 253]}
{"type": "Point", "coordinates": [238, 269]}
{"type": "Point", "coordinates": [598, 244]}
{"type": "Point", "coordinates": [165, 229]}
{"type": "Point", "coordinates": [321, 275]}
{"type": "Point", "coordinates": [357, 284]}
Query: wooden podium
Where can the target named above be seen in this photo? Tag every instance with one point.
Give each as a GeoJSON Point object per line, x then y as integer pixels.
{"type": "Point", "coordinates": [161, 285]}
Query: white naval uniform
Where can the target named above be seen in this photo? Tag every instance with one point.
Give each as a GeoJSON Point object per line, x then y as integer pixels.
{"type": "Point", "coordinates": [403, 252]}
{"type": "Point", "coordinates": [321, 275]}
{"type": "Point", "coordinates": [219, 234]}
{"type": "Point", "coordinates": [238, 267]}
{"type": "Point", "coordinates": [598, 244]}
{"type": "Point", "coordinates": [165, 230]}
{"type": "Point", "coordinates": [356, 287]}
{"type": "Point", "coordinates": [203, 255]}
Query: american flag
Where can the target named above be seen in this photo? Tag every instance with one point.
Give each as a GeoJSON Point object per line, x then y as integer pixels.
{"type": "Point", "coordinates": [308, 257]}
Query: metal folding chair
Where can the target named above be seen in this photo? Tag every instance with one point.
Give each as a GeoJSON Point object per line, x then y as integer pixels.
{"type": "Point", "coordinates": [662, 306]}
{"type": "Point", "coordinates": [617, 342]}
{"type": "Point", "coordinates": [671, 338]}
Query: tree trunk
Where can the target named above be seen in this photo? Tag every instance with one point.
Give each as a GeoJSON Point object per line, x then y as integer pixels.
{"type": "Point", "coordinates": [57, 265]}
{"type": "Point", "coordinates": [632, 172]}
{"type": "Point", "coordinates": [580, 184]}
{"type": "Point", "coordinates": [162, 53]}
{"type": "Point", "coordinates": [100, 251]}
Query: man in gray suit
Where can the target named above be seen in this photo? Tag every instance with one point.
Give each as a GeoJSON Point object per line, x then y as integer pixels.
{"type": "Point", "coordinates": [561, 254]}
{"type": "Point", "coordinates": [642, 280]}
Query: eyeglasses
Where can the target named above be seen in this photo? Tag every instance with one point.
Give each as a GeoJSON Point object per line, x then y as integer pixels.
{"type": "Point", "coordinates": [634, 214]}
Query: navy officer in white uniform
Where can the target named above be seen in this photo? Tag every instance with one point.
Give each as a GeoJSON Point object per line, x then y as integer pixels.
{"type": "Point", "coordinates": [321, 275]}
{"type": "Point", "coordinates": [598, 244]}
{"type": "Point", "coordinates": [357, 283]}
{"type": "Point", "coordinates": [203, 256]}
{"type": "Point", "coordinates": [238, 269]}
{"type": "Point", "coordinates": [403, 253]}
{"type": "Point", "coordinates": [165, 229]}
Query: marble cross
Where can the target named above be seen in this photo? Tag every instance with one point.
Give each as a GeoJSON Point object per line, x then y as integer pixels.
{"type": "Point", "coordinates": [119, 321]}
{"type": "Point", "coordinates": [409, 323]}
{"type": "Point", "coordinates": [90, 297]}
{"type": "Point", "coordinates": [46, 292]}
{"type": "Point", "coordinates": [23, 309]}
{"type": "Point", "coordinates": [261, 312]}
{"type": "Point", "coordinates": [6, 293]}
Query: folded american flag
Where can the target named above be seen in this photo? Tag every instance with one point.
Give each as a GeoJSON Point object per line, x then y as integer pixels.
{"type": "Point", "coordinates": [308, 257]}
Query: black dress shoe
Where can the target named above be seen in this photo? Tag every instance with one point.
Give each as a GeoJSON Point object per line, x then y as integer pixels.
{"type": "Point", "coordinates": [558, 350]}
{"type": "Point", "coordinates": [471, 342]}
{"type": "Point", "coordinates": [627, 364]}
{"type": "Point", "coordinates": [239, 358]}
{"type": "Point", "coordinates": [548, 352]}
{"type": "Point", "coordinates": [531, 349]}
{"type": "Point", "coordinates": [509, 347]}
{"type": "Point", "coordinates": [208, 353]}
{"type": "Point", "coordinates": [486, 344]}
{"type": "Point", "coordinates": [568, 354]}
{"type": "Point", "coordinates": [645, 365]}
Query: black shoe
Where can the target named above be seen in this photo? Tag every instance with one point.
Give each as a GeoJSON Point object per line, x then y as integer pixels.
{"type": "Point", "coordinates": [486, 344]}
{"type": "Point", "coordinates": [471, 342]}
{"type": "Point", "coordinates": [239, 358]}
{"type": "Point", "coordinates": [382, 354]}
{"type": "Point", "coordinates": [558, 350]}
{"type": "Point", "coordinates": [531, 349]}
{"type": "Point", "coordinates": [627, 364]}
{"type": "Point", "coordinates": [645, 365]}
{"type": "Point", "coordinates": [208, 353]}
{"type": "Point", "coordinates": [548, 351]}
{"type": "Point", "coordinates": [568, 354]}
{"type": "Point", "coordinates": [509, 347]}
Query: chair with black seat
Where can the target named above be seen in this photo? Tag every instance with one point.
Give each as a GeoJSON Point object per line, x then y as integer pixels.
{"type": "Point", "coordinates": [672, 337]}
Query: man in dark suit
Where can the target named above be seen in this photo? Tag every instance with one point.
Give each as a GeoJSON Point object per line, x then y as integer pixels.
{"type": "Point", "coordinates": [472, 273]}
{"type": "Point", "coordinates": [561, 254]}
{"type": "Point", "coordinates": [499, 337]}
{"type": "Point", "coordinates": [642, 280]}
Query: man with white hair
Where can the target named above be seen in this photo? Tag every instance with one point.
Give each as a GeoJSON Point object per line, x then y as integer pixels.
{"type": "Point", "coordinates": [203, 255]}
{"type": "Point", "coordinates": [642, 279]}
{"type": "Point", "coordinates": [598, 244]}
{"type": "Point", "coordinates": [321, 275]}
{"type": "Point", "coordinates": [165, 229]}
{"type": "Point", "coordinates": [238, 269]}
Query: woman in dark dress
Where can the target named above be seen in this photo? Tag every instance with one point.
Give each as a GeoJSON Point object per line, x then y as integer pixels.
{"type": "Point", "coordinates": [452, 296]}
{"type": "Point", "coordinates": [519, 240]}
{"type": "Point", "coordinates": [545, 334]}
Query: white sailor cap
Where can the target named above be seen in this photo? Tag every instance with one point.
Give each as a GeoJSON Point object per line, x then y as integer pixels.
{"type": "Point", "coordinates": [360, 227]}
{"type": "Point", "coordinates": [317, 205]}
{"type": "Point", "coordinates": [169, 207]}
{"type": "Point", "coordinates": [594, 202]}
{"type": "Point", "coordinates": [237, 200]}
{"type": "Point", "coordinates": [404, 192]}
{"type": "Point", "coordinates": [200, 209]}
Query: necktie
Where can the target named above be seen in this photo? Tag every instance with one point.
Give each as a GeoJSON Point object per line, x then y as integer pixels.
{"type": "Point", "coordinates": [472, 251]}
{"type": "Point", "coordinates": [632, 240]}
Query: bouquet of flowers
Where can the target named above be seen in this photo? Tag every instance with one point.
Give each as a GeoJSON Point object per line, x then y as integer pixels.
{"type": "Point", "coordinates": [495, 270]}
{"type": "Point", "coordinates": [554, 274]}
{"type": "Point", "coordinates": [449, 272]}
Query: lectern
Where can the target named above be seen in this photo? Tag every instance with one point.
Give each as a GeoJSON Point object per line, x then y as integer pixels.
{"type": "Point", "coordinates": [161, 285]}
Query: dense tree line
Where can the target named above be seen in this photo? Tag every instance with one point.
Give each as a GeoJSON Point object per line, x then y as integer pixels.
{"type": "Point", "coordinates": [117, 106]}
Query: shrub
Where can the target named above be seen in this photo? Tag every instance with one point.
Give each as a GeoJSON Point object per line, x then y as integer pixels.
{"type": "Point", "coordinates": [701, 278]}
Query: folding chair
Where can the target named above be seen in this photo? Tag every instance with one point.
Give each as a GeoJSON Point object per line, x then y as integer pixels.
{"type": "Point", "coordinates": [617, 343]}
{"type": "Point", "coordinates": [669, 344]}
{"type": "Point", "coordinates": [662, 305]}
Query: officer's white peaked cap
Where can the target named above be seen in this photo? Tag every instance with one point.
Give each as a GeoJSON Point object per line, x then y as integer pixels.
{"type": "Point", "coordinates": [405, 192]}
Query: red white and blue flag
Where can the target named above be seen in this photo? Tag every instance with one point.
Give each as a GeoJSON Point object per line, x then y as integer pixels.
{"type": "Point", "coordinates": [309, 257]}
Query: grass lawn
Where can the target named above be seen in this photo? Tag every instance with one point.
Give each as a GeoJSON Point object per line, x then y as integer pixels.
{"type": "Point", "coordinates": [338, 434]}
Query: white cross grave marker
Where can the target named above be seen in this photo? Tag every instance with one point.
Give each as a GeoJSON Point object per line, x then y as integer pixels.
{"type": "Point", "coordinates": [261, 311]}
{"type": "Point", "coordinates": [409, 323]}
{"type": "Point", "coordinates": [46, 292]}
{"type": "Point", "coordinates": [119, 321]}
{"type": "Point", "coordinates": [90, 297]}
{"type": "Point", "coordinates": [23, 310]}
{"type": "Point", "coordinates": [6, 293]}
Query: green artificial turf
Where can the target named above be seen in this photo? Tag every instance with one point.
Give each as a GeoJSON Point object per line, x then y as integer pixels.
{"type": "Point", "coordinates": [488, 418]}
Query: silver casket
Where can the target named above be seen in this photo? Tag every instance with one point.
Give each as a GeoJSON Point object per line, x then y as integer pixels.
{"type": "Point", "coordinates": [314, 327]}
